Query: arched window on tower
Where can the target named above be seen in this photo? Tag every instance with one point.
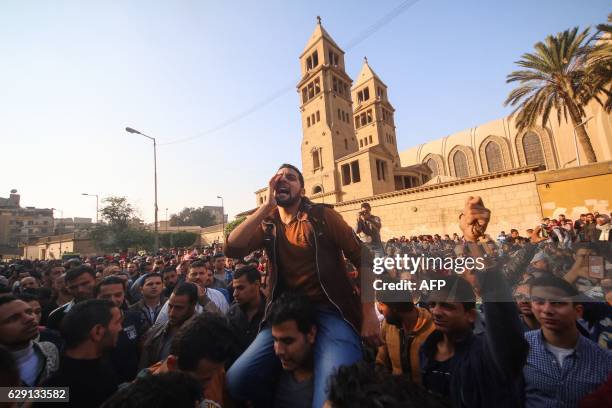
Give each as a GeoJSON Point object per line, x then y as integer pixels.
{"type": "Point", "coordinates": [533, 149]}
{"type": "Point", "coordinates": [493, 154]}
{"type": "Point", "coordinates": [317, 190]}
{"type": "Point", "coordinates": [431, 163]}
{"type": "Point", "coordinates": [461, 164]}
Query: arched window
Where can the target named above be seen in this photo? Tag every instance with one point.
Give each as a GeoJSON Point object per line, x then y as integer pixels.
{"type": "Point", "coordinates": [461, 164]}
{"type": "Point", "coordinates": [317, 190]}
{"type": "Point", "coordinates": [493, 154]}
{"type": "Point", "coordinates": [431, 163]}
{"type": "Point", "coordinates": [316, 160]}
{"type": "Point", "coordinates": [533, 149]}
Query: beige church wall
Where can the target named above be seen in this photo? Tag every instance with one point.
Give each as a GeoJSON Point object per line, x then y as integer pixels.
{"type": "Point", "coordinates": [576, 191]}
{"type": "Point", "coordinates": [513, 201]}
{"type": "Point", "coordinates": [363, 188]}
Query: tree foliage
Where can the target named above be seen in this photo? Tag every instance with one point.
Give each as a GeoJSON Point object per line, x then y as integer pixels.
{"type": "Point", "coordinates": [193, 216]}
{"type": "Point", "coordinates": [120, 228]}
{"type": "Point", "coordinates": [558, 76]}
{"type": "Point", "coordinates": [230, 226]}
{"type": "Point", "coordinates": [178, 239]}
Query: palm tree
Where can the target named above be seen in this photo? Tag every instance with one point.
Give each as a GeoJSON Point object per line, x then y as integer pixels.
{"type": "Point", "coordinates": [555, 76]}
{"type": "Point", "coordinates": [599, 64]}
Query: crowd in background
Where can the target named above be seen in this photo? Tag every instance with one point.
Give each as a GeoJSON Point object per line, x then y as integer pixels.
{"type": "Point", "coordinates": [172, 323]}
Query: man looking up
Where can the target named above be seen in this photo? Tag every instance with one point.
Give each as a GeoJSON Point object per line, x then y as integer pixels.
{"type": "Point", "coordinates": [90, 329]}
{"type": "Point", "coordinates": [80, 283]}
{"type": "Point", "coordinates": [305, 243]}
{"type": "Point", "coordinates": [562, 366]}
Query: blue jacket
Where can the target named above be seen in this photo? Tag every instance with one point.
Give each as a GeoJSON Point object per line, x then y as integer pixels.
{"type": "Point", "coordinates": [485, 370]}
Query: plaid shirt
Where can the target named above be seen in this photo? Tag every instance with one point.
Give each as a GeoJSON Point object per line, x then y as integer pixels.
{"type": "Point", "coordinates": [548, 385]}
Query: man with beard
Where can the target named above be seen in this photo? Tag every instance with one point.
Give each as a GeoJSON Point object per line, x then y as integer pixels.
{"type": "Point", "coordinates": [305, 243]}
{"type": "Point", "coordinates": [523, 301]}
{"type": "Point", "coordinates": [18, 328]}
{"type": "Point", "coordinates": [90, 329]}
{"type": "Point", "coordinates": [80, 282]}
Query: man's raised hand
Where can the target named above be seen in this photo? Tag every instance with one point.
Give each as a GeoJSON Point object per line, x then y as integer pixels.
{"type": "Point", "coordinates": [474, 219]}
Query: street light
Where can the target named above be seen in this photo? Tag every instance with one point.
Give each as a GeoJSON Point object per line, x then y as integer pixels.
{"type": "Point", "coordinates": [576, 138]}
{"type": "Point", "coordinates": [130, 130]}
{"type": "Point", "coordinates": [97, 199]}
{"type": "Point", "coordinates": [222, 219]}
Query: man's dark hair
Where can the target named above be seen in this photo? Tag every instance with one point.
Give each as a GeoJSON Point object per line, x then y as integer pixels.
{"type": "Point", "coordinates": [293, 306]}
{"type": "Point", "coordinates": [109, 280]}
{"type": "Point", "coordinates": [28, 297]}
{"type": "Point", "coordinates": [197, 264]}
{"type": "Point", "coordinates": [459, 290]}
{"type": "Point", "coordinates": [366, 205]}
{"type": "Point", "coordinates": [399, 300]}
{"type": "Point", "coordinates": [292, 167]}
{"type": "Point", "coordinates": [552, 281]}
{"type": "Point", "coordinates": [361, 385]}
{"type": "Point", "coordinates": [7, 299]}
{"type": "Point", "coordinates": [168, 269]}
{"type": "Point", "coordinates": [187, 289]}
{"type": "Point", "coordinates": [172, 389]}
{"type": "Point", "coordinates": [205, 336]}
{"type": "Point", "coordinates": [252, 274]}
{"type": "Point", "coordinates": [83, 317]}
{"type": "Point", "coordinates": [514, 230]}
{"type": "Point", "coordinates": [217, 256]}
{"type": "Point", "coordinates": [149, 276]}
{"type": "Point", "coordinates": [73, 273]}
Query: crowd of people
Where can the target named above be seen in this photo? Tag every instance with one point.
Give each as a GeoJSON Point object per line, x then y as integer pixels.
{"type": "Point", "coordinates": [285, 315]}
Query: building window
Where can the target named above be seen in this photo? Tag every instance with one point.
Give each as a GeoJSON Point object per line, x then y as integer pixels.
{"type": "Point", "coordinates": [381, 169]}
{"type": "Point", "coordinates": [333, 58]}
{"type": "Point", "coordinates": [311, 90]}
{"type": "Point", "coordinates": [339, 114]}
{"type": "Point", "coordinates": [316, 160]}
{"type": "Point", "coordinates": [380, 93]}
{"type": "Point", "coordinates": [345, 144]}
{"type": "Point", "coordinates": [370, 139]}
{"type": "Point", "coordinates": [308, 121]}
{"type": "Point", "coordinates": [461, 164]}
{"type": "Point", "coordinates": [533, 149]}
{"type": "Point", "coordinates": [318, 116]}
{"type": "Point", "coordinates": [363, 95]}
{"type": "Point", "coordinates": [312, 61]}
{"type": "Point", "coordinates": [355, 171]}
{"type": "Point", "coordinates": [361, 143]}
{"type": "Point", "coordinates": [317, 190]}
{"type": "Point", "coordinates": [494, 157]}
{"type": "Point", "coordinates": [346, 174]}
{"type": "Point", "coordinates": [431, 163]}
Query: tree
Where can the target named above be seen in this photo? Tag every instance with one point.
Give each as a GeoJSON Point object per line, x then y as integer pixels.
{"type": "Point", "coordinates": [193, 216]}
{"type": "Point", "coordinates": [178, 239]}
{"type": "Point", "coordinates": [230, 226]}
{"type": "Point", "coordinates": [599, 64]}
{"type": "Point", "coordinates": [120, 228]}
{"type": "Point", "coordinates": [555, 76]}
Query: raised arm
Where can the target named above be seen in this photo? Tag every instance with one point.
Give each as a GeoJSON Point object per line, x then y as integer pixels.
{"type": "Point", "coordinates": [248, 235]}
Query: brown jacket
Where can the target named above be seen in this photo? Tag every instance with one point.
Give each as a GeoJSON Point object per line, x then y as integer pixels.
{"type": "Point", "coordinates": [389, 354]}
{"type": "Point", "coordinates": [331, 237]}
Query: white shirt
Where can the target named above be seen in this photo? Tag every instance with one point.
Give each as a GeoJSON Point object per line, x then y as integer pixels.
{"type": "Point", "coordinates": [213, 294]}
{"type": "Point", "coordinates": [559, 352]}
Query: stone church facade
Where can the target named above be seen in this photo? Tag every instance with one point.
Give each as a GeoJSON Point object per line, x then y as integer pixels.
{"type": "Point", "coordinates": [349, 156]}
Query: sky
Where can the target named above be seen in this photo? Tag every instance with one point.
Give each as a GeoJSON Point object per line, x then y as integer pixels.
{"type": "Point", "coordinates": [74, 74]}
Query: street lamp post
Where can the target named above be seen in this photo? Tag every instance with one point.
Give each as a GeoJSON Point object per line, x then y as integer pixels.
{"type": "Point", "coordinates": [130, 130]}
{"type": "Point", "coordinates": [222, 219]}
{"type": "Point", "coordinates": [576, 138]}
{"type": "Point", "coordinates": [97, 199]}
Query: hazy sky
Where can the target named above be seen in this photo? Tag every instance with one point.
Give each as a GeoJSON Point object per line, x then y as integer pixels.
{"type": "Point", "coordinates": [74, 74]}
